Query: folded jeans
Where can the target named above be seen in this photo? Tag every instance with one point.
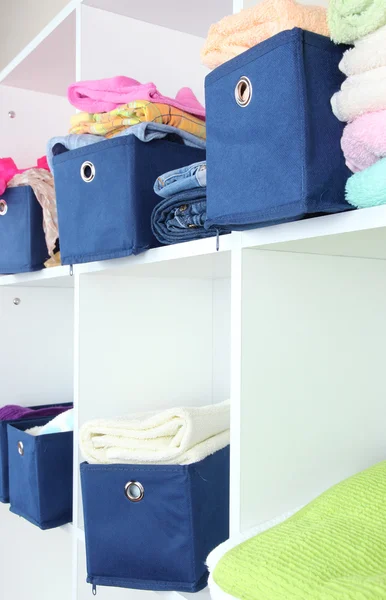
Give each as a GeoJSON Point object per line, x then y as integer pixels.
{"type": "Point", "coordinates": [180, 180]}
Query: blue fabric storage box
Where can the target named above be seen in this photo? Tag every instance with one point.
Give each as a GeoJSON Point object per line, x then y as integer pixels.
{"type": "Point", "coordinates": [277, 157]}
{"type": "Point", "coordinates": [4, 479]}
{"type": "Point", "coordinates": [22, 242]}
{"type": "Point", "coordinates": [161, 542]}
{"type": "Point", "coordinates": [105, 195]}
{"type": "Point", "coordinates": [40, 475]}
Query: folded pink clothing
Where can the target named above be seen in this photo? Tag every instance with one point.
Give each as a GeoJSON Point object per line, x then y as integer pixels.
{"type": "Point", "coordinates": [364, 141]}
{"type": "Point", "coordinates": [8, 170]}
{"type": "Point", "coordinates": [104, 95]}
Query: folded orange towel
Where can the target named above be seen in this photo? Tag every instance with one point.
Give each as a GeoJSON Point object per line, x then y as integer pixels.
{"type": "Point", "coordinates": [236, 33]}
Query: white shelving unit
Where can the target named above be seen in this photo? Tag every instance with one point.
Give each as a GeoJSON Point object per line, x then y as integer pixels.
{"type": "Point", "coordinates": [288, 320]}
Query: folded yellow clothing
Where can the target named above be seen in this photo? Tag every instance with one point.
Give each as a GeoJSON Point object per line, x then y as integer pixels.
{"type": "Point", "coordinates": [237, 33]}
{"type": "Point", "coordinates": [111, 123]}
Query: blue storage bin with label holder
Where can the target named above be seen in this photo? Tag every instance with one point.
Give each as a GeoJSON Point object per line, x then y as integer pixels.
{"type": "Point", "coordinates": [273, 148]}
{"type": "Point", "coordinates": [151, 527]}
{"type": "Point", "coordinates": [105, 195]}
{"type": "Point", "coordinates": [4, 477]}
{"type": "Point", "coordinates": [22, 241]}
{"type": "Point", "coordinates": [40, 475]}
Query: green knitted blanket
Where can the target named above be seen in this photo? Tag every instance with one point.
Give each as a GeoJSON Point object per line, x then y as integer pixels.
{"type": "Point", "coordinates": [350, 20]}
{"type": "Point", "coordinates": [334, 548]}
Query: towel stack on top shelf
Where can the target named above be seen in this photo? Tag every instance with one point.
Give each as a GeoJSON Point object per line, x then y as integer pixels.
{"type": "Point", "coordinates": [237, 33]}
{"type": "Point", "coordinates": [361, 102]}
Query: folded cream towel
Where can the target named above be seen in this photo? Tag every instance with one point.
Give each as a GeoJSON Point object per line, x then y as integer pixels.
{"type": "Point", "coordinates": [360, 94]}
{"type": "Point", "coordinates": [175, 436]}
{"type": "Point", "coordinates": [369, 53]}
{"type": "Point", "coordinates": [236, 33]}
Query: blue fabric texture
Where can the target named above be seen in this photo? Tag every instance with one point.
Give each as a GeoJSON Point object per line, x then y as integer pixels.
{"type": "Point", "coordinates": [4, 477]}
{"type": "Point", "coordinates": [285, 144]}
{"type": "Point", "coordinates": [40, 480]}
{"type": "Point", "coordinates": [22, 242]}
{"type": "Point", "coordinates": [160, 543]}
{"type": "Point", "coordinates": [110, 216]}
{"type": "Point", "coordinates": [181, 180]}
{"type": "Point", "coordinates": [181, 218]}
{"type": "Point", "coordinates": [145, 132]}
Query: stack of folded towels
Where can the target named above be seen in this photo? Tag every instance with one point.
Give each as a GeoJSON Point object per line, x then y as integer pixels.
{"type": "Point", "coordinates": [237, 33]}
{"type": "Point", "coordinates": [179, 436]}
{"type": "Point", "coordinates": [122, 106]}
{"type": "Point", "coordinates": [181, 215]}
{"type": "Point", "coordinates": [361, 102]}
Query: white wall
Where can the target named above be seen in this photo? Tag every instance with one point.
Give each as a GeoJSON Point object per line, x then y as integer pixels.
{"type": "Point", "coordinates": [21, 21]}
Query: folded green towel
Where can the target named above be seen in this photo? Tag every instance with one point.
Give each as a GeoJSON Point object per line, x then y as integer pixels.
{"type": "Point", "coordinates": [350, 20]}
{"type": "Point", "coordinates": [368, 188]}
{"type": "Point", "coordinates": [334, 548]}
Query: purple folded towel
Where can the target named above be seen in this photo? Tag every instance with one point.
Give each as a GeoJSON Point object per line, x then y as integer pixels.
{"type": "Point", "coordinates": [13, 412]}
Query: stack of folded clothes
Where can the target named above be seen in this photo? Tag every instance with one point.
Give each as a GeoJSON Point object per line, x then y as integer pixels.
{"type": "Point", "coordinates": [122, 106]}
{"type": "Point", "coordinates": [181, 215]}
{"type": "Point", "coordinates": [361, 102]}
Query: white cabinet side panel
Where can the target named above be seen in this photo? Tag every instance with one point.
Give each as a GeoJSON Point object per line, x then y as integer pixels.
{"type": "Point", "coordinates": [38, 117]}
{"type": "Point", "coordinates": [36, 345]}
{"type": "Point", "coordinates": [313, 406]}
{"type": "Point", "coordinates": [140, 50]}
{"type": "Point", "coordinates": [221, 339]}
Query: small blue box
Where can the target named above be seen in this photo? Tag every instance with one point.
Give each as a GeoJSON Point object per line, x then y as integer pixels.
{"type": "Point", "coordinates": [22, 241]}
{"type": "Point", "coordinates": [159, 541]}
{"type": "Point", "coordinates": [105, 195]}
{"type": "Point", "coordinates": [40, 475]}
{"type": "Point", "coordinates": [273, 148]}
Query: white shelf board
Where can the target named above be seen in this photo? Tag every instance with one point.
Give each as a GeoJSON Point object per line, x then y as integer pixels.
{"type": "Point", "coordinates": [53, 277]}
{"type": "Point", "coordinates": [189, 17]}
{"type": "Point", "coordinates": [358, 233]}
{"type": "Point", "coordinates": [197, 259]}
{"type": "Point", "coordinates": [48, 63]}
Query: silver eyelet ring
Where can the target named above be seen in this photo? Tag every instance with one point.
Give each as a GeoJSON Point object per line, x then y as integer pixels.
{"type": "Point", "coordinates": [134, 491]}
{"type": "Point", "coordinates": [20, 448]}
{"type": "Point", "coordinates": [87, 171]}
{"type": "Point", "coordinates": [243, 92]}
{"type": "Point", "coordinates": [3, 208]}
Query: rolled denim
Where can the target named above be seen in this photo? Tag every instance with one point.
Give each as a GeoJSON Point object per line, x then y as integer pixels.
{"type": "Point", "coordinates": [181, 218]}
{"type": "Point", "coordinates": [179, 180]}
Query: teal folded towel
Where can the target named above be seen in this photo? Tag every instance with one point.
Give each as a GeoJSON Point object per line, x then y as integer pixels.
{"type": "Point", "coordinates": [368, 188]}
{"type": "Point", "coordinates": [350, 20]}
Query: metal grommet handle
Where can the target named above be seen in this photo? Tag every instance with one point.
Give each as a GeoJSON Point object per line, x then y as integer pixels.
{"type": "Point", "coordinates": [134, 491]}
{"type": "Point", "coordinates": [87, 171]}
{"type": "Point", "coordinates": [243, 92]}
{"type": "Point", "coordinates": [20, 448]}
{"type": "Point", "coordinates": [3, 208]}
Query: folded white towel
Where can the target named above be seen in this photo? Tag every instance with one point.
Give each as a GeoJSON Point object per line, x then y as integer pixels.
{"type": "Point", "coordinates": [59, 424]}
{"type": "Point", "coordinates": [369, 53]}
{"type": "Point", "coordinates": [360, 94]}
{"type": "Point", "coordinates": [175, 436]}
{"type": "Point", "coordinates": [216, 555]}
